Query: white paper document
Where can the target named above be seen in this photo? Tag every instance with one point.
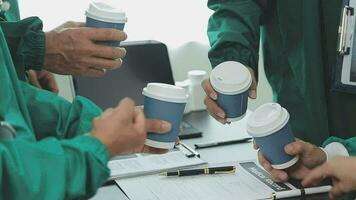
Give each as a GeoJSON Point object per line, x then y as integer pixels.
{"type": "Point", "coordinates": [141, 164]}
{"type": "Point", "coordinates": [249, 182]}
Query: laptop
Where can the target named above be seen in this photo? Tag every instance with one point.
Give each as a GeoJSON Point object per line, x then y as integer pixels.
{"type": "Point", "coordinates": [146, 61]}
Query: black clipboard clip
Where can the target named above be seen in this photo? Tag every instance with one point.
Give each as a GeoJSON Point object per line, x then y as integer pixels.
{"type": "Point", "coordinates": [189, 152]}
{"type": "Point", "coordinates": [346, 31]}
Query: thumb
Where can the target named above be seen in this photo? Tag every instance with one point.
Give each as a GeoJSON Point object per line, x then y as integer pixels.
{"type": "Point", "coordinates": [210, 92]}
{"type": "Point", "coordinates": [158, 126]}
{"type": "Point", "coordinates": [253, 87]}
{"type": "Point", "coordinates": [296, 148]}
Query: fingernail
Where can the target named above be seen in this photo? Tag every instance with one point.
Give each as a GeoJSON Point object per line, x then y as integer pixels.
{"type": "Point", "coordinates": [288, 148]}
{"type": "Point", "coordinates": [222, 115]}
{"type": "Point", "coordinates": [253, 94]}
{"type": "Point", "coordinates": [166, 126]}
{"type": "Point", "coordinates": [213, 96]}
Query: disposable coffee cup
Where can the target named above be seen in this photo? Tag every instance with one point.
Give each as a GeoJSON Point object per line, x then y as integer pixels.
{"type": "Point", "coordinates": [269, 127]}
{"type": "Point", "coordinates": [231, 80]}
{"type": "Point", "coordinates": [103, 15]}
{"type": "Point", "coordinates": [165, 102]}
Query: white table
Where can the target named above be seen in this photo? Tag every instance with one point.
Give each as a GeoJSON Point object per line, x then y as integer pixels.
{"type": "Point", "coordinates": [212, 131]}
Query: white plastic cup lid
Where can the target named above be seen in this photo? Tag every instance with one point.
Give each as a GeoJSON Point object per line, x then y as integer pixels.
{"type": "Point", "coordinates": [166, 92]}
{"type": "Point", "coordinates": [230, 78]}
{"type": "Point", "coordinates": [197, 75]}
{"type": "Point", "coordinates": [267, 119]}
{"type": "Point", "coordinates": [104, 12]}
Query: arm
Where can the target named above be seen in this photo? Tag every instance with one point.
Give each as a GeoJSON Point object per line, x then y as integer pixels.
{"type": "Point", "coordinates": [234, 31]}
{"type": "Point", "coordinates": [26, 42]}
{"type": "Point", "coordinates": [234, 34]}
{"type": "Point", "coordinates": [54, 116]}
{"type": "Point", "coordinates": [52, 169]}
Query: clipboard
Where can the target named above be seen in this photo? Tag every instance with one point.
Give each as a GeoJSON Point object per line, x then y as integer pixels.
{"type": "Point", "coordinates": [344, 72]}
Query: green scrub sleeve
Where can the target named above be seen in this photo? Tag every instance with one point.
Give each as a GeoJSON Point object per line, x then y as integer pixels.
{"type": "Point", "coordinates": [52, 169]}
{"type": "Point", "coordinates": [54, 116]}
{"type": "Point", "coordinates": [349, 144]}
{"type": "Point", "coordinates": [234, 32]}
{"type": "Point", "coordinates": [26, 41]}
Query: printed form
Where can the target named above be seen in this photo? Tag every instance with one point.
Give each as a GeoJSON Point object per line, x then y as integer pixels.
{"type": "Point", "coordinates": [243, 184]}
{"type": "Point", "coordinates": [141, 164]}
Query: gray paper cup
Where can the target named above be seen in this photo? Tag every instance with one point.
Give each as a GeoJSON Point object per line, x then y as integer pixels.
{"type": "Point", "coordinates": [231, 80]}
{"type": "Point", "coordinates": [164, 102]}
{"type": "Point", "coordinates": [269, 127]}
{"type": "Point", "coordinates": [102, 15]}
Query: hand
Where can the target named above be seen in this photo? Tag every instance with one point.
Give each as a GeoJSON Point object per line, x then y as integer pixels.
{"type": "Point", "coordinates": [157, 126]}
{"type": "Point", "coordinates": [310, 156]}
{"type": "Point", "coordinates": [123, 129]}
{"type": "Point", "coordinates": [211, 97]}
{"type": "Point", "coordinates": [43, 79]}
{"type": "Point", "coordinates": [71, 49]}
{"type": "Point", "coordinates": [340, 169]}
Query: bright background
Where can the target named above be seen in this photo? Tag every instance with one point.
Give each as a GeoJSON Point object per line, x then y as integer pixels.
{"type": "Point", "coordinates": [180, 24]}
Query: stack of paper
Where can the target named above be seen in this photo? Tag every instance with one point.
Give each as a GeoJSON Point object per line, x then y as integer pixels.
{"type": "Point", "coordinates": [142, 164]}
{"type": "Point", "coordinates": [249, 182]}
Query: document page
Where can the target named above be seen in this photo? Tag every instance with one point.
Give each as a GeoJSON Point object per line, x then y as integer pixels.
{"type": "Point", "coordinates": [248, 182]}
{"type": "Point", "coordinates": [140, 164]}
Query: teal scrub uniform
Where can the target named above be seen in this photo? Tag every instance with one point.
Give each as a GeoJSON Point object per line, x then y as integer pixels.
{"type": "Point", "coordinates": [25, 39]}
{"type": "Point", "coordinates": [299, 42]}
{"type": "Point", "coordinates": [51, 157]}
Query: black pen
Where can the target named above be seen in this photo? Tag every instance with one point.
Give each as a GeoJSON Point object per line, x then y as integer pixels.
{"type": "Point", "coordinates": [210, 170]}
{"type": "Point", "coordinates": [215, 144]}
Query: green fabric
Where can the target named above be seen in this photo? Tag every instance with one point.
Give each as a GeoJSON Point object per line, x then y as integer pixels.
{"type": "Point", "coordinates": [350, 144]}
{"type": "Point", "coordinates": [25, 39]}
{"type": "Point", "coordinates": [51, 157]}
{"type": "Point", "coordinates": [13, 14]}
{"type": "Point", "coordinates": [299, 40]}
{"type": "Point", "coordinates": [26, 42]}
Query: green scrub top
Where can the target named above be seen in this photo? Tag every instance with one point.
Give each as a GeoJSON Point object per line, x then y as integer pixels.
{"type": "Point", "coordinates": [299, 41]}
{"type": "Point", "coordinates": [25, 38]}
{"type": "Point", "coordinates": [52, 157]}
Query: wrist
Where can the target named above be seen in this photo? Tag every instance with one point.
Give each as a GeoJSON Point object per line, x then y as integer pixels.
{"type": "Point", "coordinates": [102, 141]}
{"type": "Point", "coordinates": [50, 50]}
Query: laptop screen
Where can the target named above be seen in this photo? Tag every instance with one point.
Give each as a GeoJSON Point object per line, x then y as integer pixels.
{"type": "Point", "coordinates": [145, 61]}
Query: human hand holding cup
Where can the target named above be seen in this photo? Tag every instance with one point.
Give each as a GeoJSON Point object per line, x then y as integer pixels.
{"type": "Point", "coordinates": [164, 102]}
{"type": "Point", "coordinates": [269, 126]}
{"type": "Point", "coordinates": [227, 89]}
{"type": "Point", "coordinates": [310, 156]}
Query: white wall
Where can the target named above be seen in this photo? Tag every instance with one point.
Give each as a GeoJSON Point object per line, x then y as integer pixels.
{"type": "Point", "coordinates": [180, 24]}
